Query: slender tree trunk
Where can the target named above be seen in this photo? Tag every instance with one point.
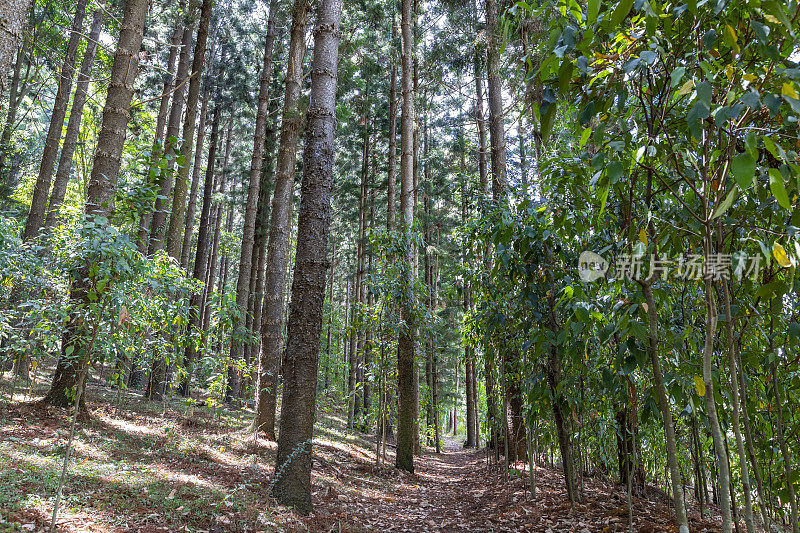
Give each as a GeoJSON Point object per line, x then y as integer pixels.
{"type": "Point", "coordinates": [308, 286]}
{"type": "Point", "coordinates": [251, 207]}
{"type": "Point", "coordinates": [497, 133]}
{"type": "Point", "coordinates": [666, 414]}
{"type": "Point", "coordinates": [191, 209]}
{"type": "Point", "coordinates": [391, 186]}
{"type": "Point", "coordinates": [36, 215]}
{"type": "Point", "coordinates": [737, 430]}
{"type": "Point", "coordinates": [101, 191]}
{"type": "Point", "coordinates": [262, 226]}
{"type": "Point", "coordinates": [166, 178]}
{"type": "Point", "coordinates": [74, 122]}
{"type": "Point", "coordinates": [201, 258]}
{"type": "Point", "coordinates": [145, 217]}
{"type": "Point", "coordinates": [723, 477]}
{"type": "Point", "coordinates": [178, 211]}
{"type": "Point", "coordinates": [405, 351]}
{"type": "Point", "coordinates": [277, 248]}
{"type": "Point", "coordinates": [483, 171]}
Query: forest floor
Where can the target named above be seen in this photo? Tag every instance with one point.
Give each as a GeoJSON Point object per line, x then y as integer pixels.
{"type": "Point", "coordinates": [151, 468]}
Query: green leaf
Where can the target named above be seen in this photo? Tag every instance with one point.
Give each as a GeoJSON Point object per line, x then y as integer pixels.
{"type": "Point", "coordinates": [743, 167]}
{"type": "Point", "coordinates": [592, 10]}
{"type": "Point", "coordinates": [778, 189]}
{"type": "Point", "coordinates": [587, 113]}
{"type": "Point", "coordinates": [564, 75]}
{"type": "Point", "coordinates": [726, 203]}
{"type": "Point", "coordinates": [585, 134]}
{"type": "Point", "coordinates": [621, 11]}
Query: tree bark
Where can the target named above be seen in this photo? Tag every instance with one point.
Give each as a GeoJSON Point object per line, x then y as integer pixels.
{"type": "Point", "coordinates": [199, 270]}
{"type": "Point", "coordinates": [253, 189]}
{"type": "Point", "coordinates": [191, 209]}
{"type": "Point", "coordinates": [36, 215]}
{"type": "Point", "coordinates": [666, 414]}
{"type": "Point", "coordinates": [74, 123]}
{"type": "Point", "coordinates": [277, 248]}
{"type": "Point", "coordinates": [15, 96]}
{"type": "Point", "coordinates": [143, 233]}
{"type": "Point", "coordinates": [177, 213]}
{"type": "Point", "coordinates": [166, 178]}
{"type": "Point", "coordinates": [497, 133]}
{"type": "Point", "coordinates": [102, 188]}
{"type": "Point", "coordinates": [308, 287]}
{"type": "Point", "coordinates": [13, 19]}
{"type": "Point", "coordinates": [405, 349]}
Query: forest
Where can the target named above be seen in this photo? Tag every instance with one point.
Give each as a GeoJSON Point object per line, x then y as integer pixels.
{"type": "Point", "coordinates": [400, 265]}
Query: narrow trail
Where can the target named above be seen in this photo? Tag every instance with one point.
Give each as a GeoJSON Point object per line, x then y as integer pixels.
{"type": "Point", "coordinates": [455, 491]}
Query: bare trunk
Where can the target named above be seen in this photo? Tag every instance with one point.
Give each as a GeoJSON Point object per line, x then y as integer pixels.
{"type": "Point", "coordinates": [166, 178]}
{"type": "Point", "coordinates": [201, 258]}
{"type": "Point", "coordinates": [405, 351]}
{"type": "Point", "coordinates": [251, 207]}
{"type": "Point", "coordinates": [177, 214]}
{"type": "Point", "coordinates": [36, 215]}
{"type": "Point", "coordinates": [293, 487]}
{"type": "Point", "coordinates": [13, 18]}
{"type": "Point", "coordinates": [277, 248]}
{"type": "Point", "coordinates": [186, 247]}
{"type": "Point", "coordinates": [74, 123]}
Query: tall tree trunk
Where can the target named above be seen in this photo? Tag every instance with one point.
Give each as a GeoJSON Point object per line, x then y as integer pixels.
{"type": "Point", "coordinates": [405, 349]}
{"type": "Point", "coordinates": [308, 287]}
{"type": "Point", "coordinates": [483, 171]}
{"type": "Point", "coordinates": [497, 133]}
{"type": "Point", "coordinates": [15, 96]}
{"type": "Point", "coordinates": [391, 177]}
{"type": "Point", "coordinates": [666, 414]}
{"type": "Point", "coordinates": [36, 215]}
{"type": "Point", "coordinates": [177, 213]}
{"type": "Point", "coordinates": [201, 258]}
{"type": "Point", "coordinates": [74, 123]}
{"type": "Point", "coordinates": [13, 18]}
{"type": "Point", "coordinates": [101, 191]}
{"type": "Point", "coordinates": [191, 208]}
{"type": "Point", "coordinates": [262, 226]}
{"type": "Point", "coordinates": [277, 248]}
{"type": "Point", "coordinates": [166, 177]}
{"type": "Point", "coordinates": [723, 477]}
{"type": "Point", "coordinates": [145, 217]}
{"type": "Point", "coordinates": [251, 207]}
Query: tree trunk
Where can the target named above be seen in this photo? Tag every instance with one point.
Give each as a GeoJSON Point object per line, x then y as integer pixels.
{"type": "Point", "coordinates": [277, 248]}
{"type": "Point", "coordinates": [666, 414]}
{"type": "Point", "coordinates": [298, 409]}
{"type": "Point", "coordinates": [13, 18]}
{"type": "Point", "coordinates": [74, 123]}
{"type": "Point", "coordinates": [201, 258]}
{"type": "Point", "coordinates": [405, 349]}
{"type": "Point", "coordinates": [166, 177]}
{"type": "Point", "coordinates": [15, 96]}
{"type": "Point", "coordinates": [723, 477]}
{"type": "Point", "coordinates": [177, 214]}
{"type": "Point", "coordinates": [36, 215]}
{"type": "Point", "coordinates": [251, 207]}
{"type": "Point", "coordinates": [497, 133]}
{"type": "Point", "coordinates": [188, 230]}
{"type": "Point", "coordinates": [102, 187]}
{"type": "Point", "coordinates": [145, 217]}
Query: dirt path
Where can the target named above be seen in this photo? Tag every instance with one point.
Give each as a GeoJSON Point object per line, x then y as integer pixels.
{"type": "Point", "coordinates": [454, 491]}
